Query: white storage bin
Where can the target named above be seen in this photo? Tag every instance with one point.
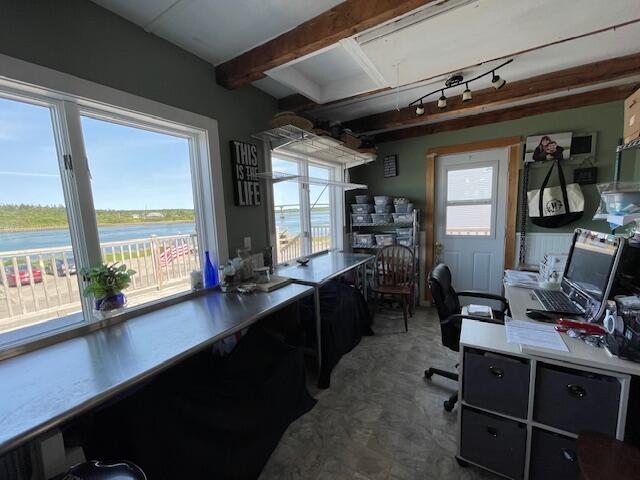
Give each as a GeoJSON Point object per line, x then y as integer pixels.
{"type": "Point", "coordinates": [359, 218]}
{"type": "Point", "coordinates": [381, 218]}
{"type": "Point", "coordinates": [384, 239]}
{"type": "Point", "coordinates": [361, 208]}
{"type": "Point", "coordinates": [382, 199]}
{"type": "Point", "coordinates": [362, 239]}
{"type": "Point", "coordinates": [403, 217]}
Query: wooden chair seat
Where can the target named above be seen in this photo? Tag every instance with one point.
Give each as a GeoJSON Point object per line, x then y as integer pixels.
{"type": "Point", "coordinates": [392, 290]}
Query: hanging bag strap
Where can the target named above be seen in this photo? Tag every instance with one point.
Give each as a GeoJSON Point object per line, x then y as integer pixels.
{"type": "Point", "coordinates": [563, 188]}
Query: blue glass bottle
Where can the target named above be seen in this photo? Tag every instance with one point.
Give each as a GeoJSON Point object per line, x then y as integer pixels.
{"type": "Point", "coordinates": [210, 272]}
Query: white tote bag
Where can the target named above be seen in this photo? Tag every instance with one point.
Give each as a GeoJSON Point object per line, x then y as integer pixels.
{"type": "Point", "coordinates": [553, 207]}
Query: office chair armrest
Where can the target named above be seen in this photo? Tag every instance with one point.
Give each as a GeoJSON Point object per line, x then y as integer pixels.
{"type": "Point", "coordinates": [487, 295]}
{"type": "Point", "coordinates": [458, 317]}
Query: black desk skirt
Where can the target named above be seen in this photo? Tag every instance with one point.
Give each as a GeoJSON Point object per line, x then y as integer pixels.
{"type": "Point", "coordinates": [214, 418]}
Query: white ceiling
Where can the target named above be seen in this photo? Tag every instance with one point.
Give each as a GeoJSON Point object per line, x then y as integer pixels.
{"type": "Point", "coordinates": [218, 30]}
{"type": "Point", "coordinates": [430, 43]}
{"type": "Point", "coordinates": [601, 46]}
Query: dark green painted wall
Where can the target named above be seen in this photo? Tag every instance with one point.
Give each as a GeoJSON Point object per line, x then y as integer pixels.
{"type": "Point", "coordinates": [605, 119]}
{"type": "Point", "coordinates": [83, 39]}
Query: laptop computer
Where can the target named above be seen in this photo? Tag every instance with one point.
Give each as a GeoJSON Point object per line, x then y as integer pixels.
{"type": "Point", "coordinates": [588, 276]}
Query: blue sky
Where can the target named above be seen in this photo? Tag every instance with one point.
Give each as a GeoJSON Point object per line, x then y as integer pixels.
{"type": "Point", "coordinates": [131, 168]}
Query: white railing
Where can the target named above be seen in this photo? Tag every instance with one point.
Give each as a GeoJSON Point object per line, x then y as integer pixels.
{"type": "Point", "coordinates": [40, 284]}
{"type": "Point", "coordinates": [290, 248]}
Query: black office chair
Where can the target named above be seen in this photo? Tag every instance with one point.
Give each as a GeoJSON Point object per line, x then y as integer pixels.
{"type": "Point", "coordinates": [449, 311]}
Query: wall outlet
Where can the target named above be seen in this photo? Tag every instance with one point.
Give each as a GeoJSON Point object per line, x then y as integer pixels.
{"type": "Point", "coordinates": [247, 243]}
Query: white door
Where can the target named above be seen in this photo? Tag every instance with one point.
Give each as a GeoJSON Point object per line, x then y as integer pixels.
{"type": "Point", "coordinates": [471, 194]}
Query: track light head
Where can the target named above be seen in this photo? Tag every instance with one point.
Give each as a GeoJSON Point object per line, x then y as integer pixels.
{"type": "Point", "coordinates": [466, 95]}
{"type": "Point", "coordinates": [442, 101]}
{"type": "Point", "coordinates": [497, 82]}
{"type": "Point", "coordinates": [420, 109]}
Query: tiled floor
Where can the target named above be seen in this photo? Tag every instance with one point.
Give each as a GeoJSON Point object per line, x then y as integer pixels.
{"type": "Point", "coordinates": [380, 419]}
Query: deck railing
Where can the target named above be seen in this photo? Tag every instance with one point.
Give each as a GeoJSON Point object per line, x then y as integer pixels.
{"type": "Point", "coordinates": [290, 248]}
{"type": "Point", "coordinates": [40, 284]}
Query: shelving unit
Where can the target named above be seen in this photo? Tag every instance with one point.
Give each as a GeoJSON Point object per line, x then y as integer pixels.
{"type": "Point", "coordinates": [296, 140]}
{"type": "Point", "coordinates": [387, 228]}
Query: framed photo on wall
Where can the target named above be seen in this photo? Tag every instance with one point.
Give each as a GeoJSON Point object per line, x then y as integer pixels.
{"type": "Point", "coordinates": [550, 146]}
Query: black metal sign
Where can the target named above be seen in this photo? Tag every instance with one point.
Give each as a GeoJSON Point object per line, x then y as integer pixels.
{"type": "Point", "coordinates": [246, 184]}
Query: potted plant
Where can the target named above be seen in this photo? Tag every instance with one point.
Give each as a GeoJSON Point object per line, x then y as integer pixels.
{"type": "Point", "coordinates": [106, 283]}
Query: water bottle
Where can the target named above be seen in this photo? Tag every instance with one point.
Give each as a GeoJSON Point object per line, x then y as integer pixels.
{"type": "Point", "coordinates": [210, 272]}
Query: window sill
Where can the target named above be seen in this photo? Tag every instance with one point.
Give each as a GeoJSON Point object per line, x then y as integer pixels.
{"type": "Point", "coordinates": [17, 342]}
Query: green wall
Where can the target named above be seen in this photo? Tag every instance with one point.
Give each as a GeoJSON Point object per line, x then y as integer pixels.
{"type": "Point", "coordinates": [81, 38]}
{"type": "Point", "coordinates": [605, 120]}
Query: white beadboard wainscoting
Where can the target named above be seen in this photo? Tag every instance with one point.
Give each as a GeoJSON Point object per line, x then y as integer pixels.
{"type": "Point", "coordinates": [540, 243]}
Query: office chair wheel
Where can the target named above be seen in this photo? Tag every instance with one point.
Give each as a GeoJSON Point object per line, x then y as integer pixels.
{"type": "Point", "coordinates": [428, 374]}
{"type": "Point", "coordinates": [448, 405]}
{"type": "Point", "coordinates": [462, 463]}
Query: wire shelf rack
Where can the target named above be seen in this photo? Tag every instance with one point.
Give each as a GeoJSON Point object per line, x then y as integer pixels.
{"type": "Point", "coordinates": [294, 140]}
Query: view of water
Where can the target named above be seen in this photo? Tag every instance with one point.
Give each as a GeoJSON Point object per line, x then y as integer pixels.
{"type": "Point", "coordinates": [10, 241]}
{"type": "Point", "coordinates": [291, 220]}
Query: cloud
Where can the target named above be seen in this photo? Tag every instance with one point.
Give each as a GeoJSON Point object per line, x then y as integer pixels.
{"type": "Point", "coordinates": [29, 174]}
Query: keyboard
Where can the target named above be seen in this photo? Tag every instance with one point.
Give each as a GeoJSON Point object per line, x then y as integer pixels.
{"type": "Point", "coordinates": [556, 301]}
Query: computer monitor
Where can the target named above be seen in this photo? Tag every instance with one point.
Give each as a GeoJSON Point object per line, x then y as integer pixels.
{"type": "Point", "coordinates": [588, 274]}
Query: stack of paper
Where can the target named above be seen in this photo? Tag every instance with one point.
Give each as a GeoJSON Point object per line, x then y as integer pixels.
{"type": "Point", "coordinates": [534, 334]}
{"type": "Point", "coordinates": [516, 278]}
{"type": "Point", "coordinates": [479, 310]}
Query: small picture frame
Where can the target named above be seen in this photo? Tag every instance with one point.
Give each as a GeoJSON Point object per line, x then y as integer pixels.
{"type": "Point", "coordinates": [390, 166]}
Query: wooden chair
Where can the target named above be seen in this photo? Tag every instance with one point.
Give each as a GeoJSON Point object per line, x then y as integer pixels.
{"type": "Point", "coordinates": [395, 277]}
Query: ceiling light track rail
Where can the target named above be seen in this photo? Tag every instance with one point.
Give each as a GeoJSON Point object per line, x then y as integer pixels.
{"type": "Point", "coordinates": [496, 81]}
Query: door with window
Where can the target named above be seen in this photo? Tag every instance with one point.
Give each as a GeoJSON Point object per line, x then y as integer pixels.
{"type": "Point", "coordinates": [306, 212]}
{"type": "Point", "coordinates": [470, 217]}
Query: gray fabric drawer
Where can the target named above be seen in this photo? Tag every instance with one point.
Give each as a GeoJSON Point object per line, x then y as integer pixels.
{"type": "Point", "coordinates": [493, 442]}
{"type": "Point", "coordinates": [576, 401]}
{"type": "Point", "coordinates": [496, 382]}
{"type": "Point", "coordinates": [553, 456]}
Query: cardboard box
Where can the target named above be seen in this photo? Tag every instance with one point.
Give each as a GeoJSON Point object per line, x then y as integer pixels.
{"type": "Point", "coordinates": [632, 117]}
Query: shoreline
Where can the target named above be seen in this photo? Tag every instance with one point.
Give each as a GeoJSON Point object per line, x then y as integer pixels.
{"type": "Point", "coordinates": [66, 227]}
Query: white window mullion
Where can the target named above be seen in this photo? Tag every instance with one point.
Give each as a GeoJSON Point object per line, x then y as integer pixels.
{"type": "Point", "coordinates": [305, 209]}
{"type": "Point", "coordinates": [77, 190]}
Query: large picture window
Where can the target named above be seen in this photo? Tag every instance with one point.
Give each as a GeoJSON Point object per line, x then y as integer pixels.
{"type": "Point", "coordinates": [306, 214]}
{"type": "Point", "coordinates": [84, 183]}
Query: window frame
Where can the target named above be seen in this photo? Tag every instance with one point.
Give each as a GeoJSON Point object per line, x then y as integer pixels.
{"type": "Point", "coordinates": [69, 97]}
{"type": "Point", "coordinates": [336, 194]}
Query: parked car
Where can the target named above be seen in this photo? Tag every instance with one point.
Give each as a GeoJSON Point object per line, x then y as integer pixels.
{"type": "Point", "coordinates": [60, 269]}
{"type": "Point", "coordinates": [23, 273]}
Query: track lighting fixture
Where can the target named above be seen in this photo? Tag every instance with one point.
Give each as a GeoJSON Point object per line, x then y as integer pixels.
{"type": "Point", "coordinates": [456, 80]}
{"type": "Point", "coordinates": [442, 101]}
{"type": "Point", "coordinates": [466, 95]}
{"type": "Point", "coordinates": [497, 82]}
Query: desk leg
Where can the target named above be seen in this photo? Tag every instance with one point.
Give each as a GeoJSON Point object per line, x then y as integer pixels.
{"type": "Point", "coordinates": [316, 299]}
{"type": "Point", "coordinates": [364, 281]}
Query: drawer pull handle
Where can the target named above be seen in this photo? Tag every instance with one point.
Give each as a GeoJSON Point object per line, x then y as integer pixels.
{"type": "Point", "coordinates": [498, 372]}
{"type": "Point", "coordinates": [576, 391]}
{"type": "Point", "coordinates": [492, 431]}
{"type": "Point", "coordinates": [569, 455]}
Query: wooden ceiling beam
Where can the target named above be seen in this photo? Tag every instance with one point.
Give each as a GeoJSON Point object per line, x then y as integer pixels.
{"type": "Point", "coordinates": [342, 21]}
{"type": "Point", "coordinates": [584, 99]}
{"type": "Point", "coordinates": [570, 78]}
